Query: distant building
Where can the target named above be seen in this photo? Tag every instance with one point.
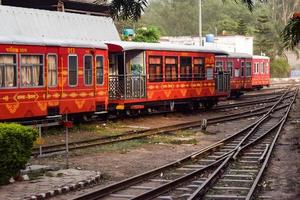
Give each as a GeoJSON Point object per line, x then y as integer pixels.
{"type": "Point", "coordinates": [234, 44]}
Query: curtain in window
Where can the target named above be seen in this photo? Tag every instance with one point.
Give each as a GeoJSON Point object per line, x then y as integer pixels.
{"type": "Point", "coordinates": [7, 70]}
{"type": "Point", "coordinates": [52, 70]}
{"type": "Point", "coordinates": [30, 70]}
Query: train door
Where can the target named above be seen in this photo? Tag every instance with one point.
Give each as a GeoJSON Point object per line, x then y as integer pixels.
{"type": "Point", "coordinates": [135, 74]}
{"type": "Point", "coordinates": [116, 75]}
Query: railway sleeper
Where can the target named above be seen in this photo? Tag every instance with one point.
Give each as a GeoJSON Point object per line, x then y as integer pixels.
{"type": "Point", "coordinates": [239, 176]}
{"type": "Point", "coordinates": [224, 197]}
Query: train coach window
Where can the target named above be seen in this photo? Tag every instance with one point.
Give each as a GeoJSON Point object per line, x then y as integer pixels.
{"type": "Point", "coordinates": [52, 70]}
{"type": "Point", "coordinates": [242, 68]}
{"type": "Point", "coordinates": [73, 70]}
{"type": "Point", "coordinates": [219, 66]}
{"type": "Point", "coordinates": [99, 70]}
{"type": "Point", "coordinates": [171, 68]}
{"type": "Point", "coordinates": [199, 69]}
{"type": "Point", "coordinates": [88, 70]}
{"type": "Point", "coordinates": [256, 69]}
{"type": "Point", "coordinates": [248, 69]}
{"type": "Point", "coordinates": [32, 70]}
{"type": "Point", "coordinates": [229, 68]}
{"type": "Point", "coordinates": [155, 69]}
{"type": "Point", "coordinates": [262, 68]}
{"type": "Point", "coordinates": [185, 68]}
{"type": "Point", "coordinates": [8, 71]}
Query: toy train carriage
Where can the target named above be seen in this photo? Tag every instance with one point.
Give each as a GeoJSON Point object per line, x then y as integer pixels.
{"type": "Point", "coordinates": [52, 63]}
{"type": "Point", "coordinates": [260, 72]}
{"type": "Point", "coordinates": [143, 75]}
{"type": "Point", "coordinates": [45, 81]}
{"type": "Point", "coordinates": [239, 67]}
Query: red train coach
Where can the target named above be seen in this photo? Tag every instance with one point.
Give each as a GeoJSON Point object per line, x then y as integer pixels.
{"type": "Point", "coordinates": [260, 72]}
{"type": "Point", "coordinates": [143, 75]}
{"type": "Point", "coordinates": [247, 72]}
{"type": "Point", "coordinates": [52, 63]}
{"type": "Point", "coordinates": [238, 66]}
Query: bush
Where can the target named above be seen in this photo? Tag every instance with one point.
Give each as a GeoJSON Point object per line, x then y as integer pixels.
{"type": "Point", "coordinates": [16, 142]}
{"type": "Point", "coordinates": [280, 68]}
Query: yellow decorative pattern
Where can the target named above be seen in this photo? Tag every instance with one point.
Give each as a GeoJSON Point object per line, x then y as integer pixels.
{"type": "Point", "coordinates": [12, 107]}
{"type": "Point", "coordinates": [42, 105]}
{"type": "Point", "coordinates": [5, 98]}
{"type": "Point", "coordinates": [79, 103]}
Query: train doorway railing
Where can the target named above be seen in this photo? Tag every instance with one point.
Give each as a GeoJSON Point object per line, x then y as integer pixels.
{"type": "Point", "coordinates": [222, 82]}
{"type": "Point", "coordinates": [127, 86]}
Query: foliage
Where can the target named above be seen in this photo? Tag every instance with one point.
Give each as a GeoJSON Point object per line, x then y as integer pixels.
{"type": "Point", "coordinates": [127, 9]}
{"type": "Point", "coordinates": [242, 27]}
{"type": "Point", "coordinates": [16, 142]}
{"type": "Point", "coordinates": [291, 33]}
{"type": "Point", "coordinates": [150, 34]}
{"type": "Point", "coordinates": [280, 68]}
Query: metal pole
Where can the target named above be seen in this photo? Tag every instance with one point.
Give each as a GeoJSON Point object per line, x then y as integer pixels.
{"type": "Point", "coordinates": [40, 136]}
{"type": "Point", "coordinates": [125, 75]}
{"type": "Point", "coordinates": [200, 22]}
{"type": "Point", "coordinates": [67, 144]}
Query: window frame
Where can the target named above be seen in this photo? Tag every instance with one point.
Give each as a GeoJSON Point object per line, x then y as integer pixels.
{"type": "Point", "coordinates": [256, 68]}
{"type": "Point", "coordinates": [84, 79]}
{"type": "Point", "coordinates": [102, 68]}
{"type": "Point", "coordinates": [69, 55]}
{"type": "Point", "coordinates": [56, 58]}
{"type": "Point", "coordinates": [248, 69]}
{"type": "Point", "coordinates": [17, 71]}
{"type": "Point", "coordinates": [217, 67]}
{"type": "Point", "coordinates": [43, 72]}
{"type": "Point", "coordinates": [203, 69]}
{"type": "Point", "coordinates": [231, 68]}
{"type": "Point", "coordinates": [176, 65]}
{"type": "Point", "coordinates": [161, 79]}
{"type": "Point", "coordinates": [190, 75]}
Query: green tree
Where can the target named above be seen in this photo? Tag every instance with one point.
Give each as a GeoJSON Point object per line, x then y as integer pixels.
{"type": "Point", "coordinates": [150, 34]}
{"type": "Point", "coordinates": [291, 33]}
{"type": "Point", "coordinates": [263, 44]}
{"type": "Point", "coordinates": [280, 68]}
{"type": "Point", "coordinates": [242, 27]}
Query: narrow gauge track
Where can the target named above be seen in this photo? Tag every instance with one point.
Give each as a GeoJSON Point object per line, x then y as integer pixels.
{"type": "Point", "coordinates": [211, 172]}
{"type": "Point", "coordinates": [130, 135]}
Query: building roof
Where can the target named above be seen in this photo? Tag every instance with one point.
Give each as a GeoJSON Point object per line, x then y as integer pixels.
{"type": "Point", "coordinates": [239, 55]}
{"type": "Point", "coordinates": [42, 27]}
{"type": "Point", "coordinates": [74, 6]}
{"type": "Point", "coordinates": [260, 57]}
{"type": "Point", "coordinates": [126, 46]}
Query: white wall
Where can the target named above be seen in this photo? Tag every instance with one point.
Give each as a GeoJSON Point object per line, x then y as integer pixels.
{"type": "Point", "coordinates": [235, 44]}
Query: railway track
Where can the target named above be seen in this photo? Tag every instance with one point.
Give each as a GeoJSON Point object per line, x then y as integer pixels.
{"type": "Point", "coordinates": [229, 169]}
{"type": "Point", "coordinates": [130, 135]}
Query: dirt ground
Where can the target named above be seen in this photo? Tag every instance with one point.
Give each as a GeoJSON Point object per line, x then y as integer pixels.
{"type": "Point", "coordinates": [121, 161]}
{"type": "Point", "coordinates": [282, 179]}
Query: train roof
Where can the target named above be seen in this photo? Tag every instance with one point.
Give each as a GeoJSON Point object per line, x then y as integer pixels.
{"type": "Point", "coordinates": [260, 57]}
{"type": "Point", "coordinates": [239, 55]}
{"type": "Point", "coordinates": [126, 46]}
{"type": "Point", "coordinates": [42, 27]}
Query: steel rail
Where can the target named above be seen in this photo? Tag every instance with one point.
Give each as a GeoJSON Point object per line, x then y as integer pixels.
{"type": "Point", "coordinates": [268, 155]}
{"type": "Point", "coordinates": [160, 190]}
{"type": "Point", "coordinates": [130, 135]}
{"type": "Point", "coordinates": [131, 181]}
{"type": "Point", "coordinates": [200, 192]}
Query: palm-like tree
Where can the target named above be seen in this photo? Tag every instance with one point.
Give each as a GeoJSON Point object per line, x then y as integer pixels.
{"type": "Point", "coordinates": [291, 33]}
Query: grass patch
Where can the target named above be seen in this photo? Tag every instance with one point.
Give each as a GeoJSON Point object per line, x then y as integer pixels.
{"type": "Point", "coordinates": [104, 129]}
{"type": "Point", "coordinates": [119, 147]}
{"type": "Point", "coordinates": [179, 137]}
